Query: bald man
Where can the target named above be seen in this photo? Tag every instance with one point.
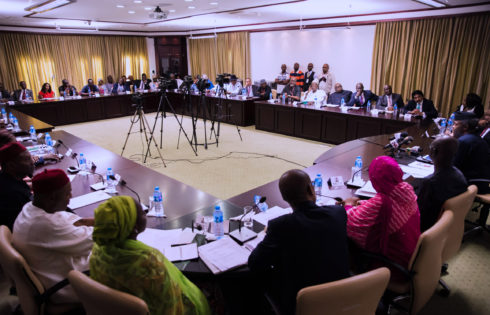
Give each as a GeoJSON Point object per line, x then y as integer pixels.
{"type": "Point", "coordinates": [446, 182]}
{"type": "Point", "coordinates": [326, 79]}
{"type": "Point", "coordinates": [389, 99]}
{"type": "Point", "coordinates": [282, 79]}
{"type": "Point", "coordinates": [339, 94]}
{"type": "Point", "coordinates": [362, 97]}
{"type": "Point", "coordinates": [304, 248]}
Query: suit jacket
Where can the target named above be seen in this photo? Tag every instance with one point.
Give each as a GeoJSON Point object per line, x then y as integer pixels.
{"type": "Point", "coordinates": [308, 80]}
{"type": "Point", "coordinates": [427, 107]}
{"type": "Point", "coordinates": [127, 85]}
{"type": "Point", "coordinates": [116, 85]}
{"type": "Point", "coordinates": [472, 157]}
{"type": "Point", "coordinates": [336, 97]}
{"type": "Point", "coordinates": [295, 92]}
{"type": "Point", "coordinates": [254, 90]}
{"type": "Point", "coordinates": [382, 102]}
{"type": "Point", "coordinates": [301, 249]}
{"type": "Point", "coordinates": [368, 96]}
{"type": "Point", "coordinates": [18, 92]}
{"type": "Point", "coordinates": [267, 94]}
{"type": "Point", "coordinates": [137, 84]}
{"type": "Point", "coordinates": [5, 94]}
{"type": "Point", "coordinates": [487, 138]}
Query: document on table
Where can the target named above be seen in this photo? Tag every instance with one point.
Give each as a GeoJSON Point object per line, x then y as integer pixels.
{"type": "Point", "coordinates": [185, 237]}
{"type": "Point", "coordinates": [418, 169]}
{"type": "Point", "coordinates": [180, 253]}
{"type": "Point", "coordinates": [163, 240]}
{"type": "Point", "coordinates": [90, 198]}
{"type": "Point", "coordinates": [251, 245]}
{"type": "Point", "coordinates": [223, 254]}
{"type": "Point", "coordinates": [271, 213]}
{"type": "Point", "coordinates": [367, 190]}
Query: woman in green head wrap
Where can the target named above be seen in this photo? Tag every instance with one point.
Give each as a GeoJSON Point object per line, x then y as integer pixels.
{"type": "Point", "coordinates": [121, 262]}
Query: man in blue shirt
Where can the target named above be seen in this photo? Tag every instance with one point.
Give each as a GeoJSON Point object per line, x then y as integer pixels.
{"type": "Point", "coordinates": [89, 89]}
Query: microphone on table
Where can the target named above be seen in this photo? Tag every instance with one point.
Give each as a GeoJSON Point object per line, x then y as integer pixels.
{"type": "Point", "coordinates": [69, 151]}
{"type": "Point", "coordinates": [247, 234]}
{"type": "Point", "coordinates": [125, 184]}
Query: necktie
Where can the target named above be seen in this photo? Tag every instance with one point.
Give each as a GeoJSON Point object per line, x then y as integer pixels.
{"type": "Point", "coordinates": [389, 100]}
{"type": "Point", "coordinates": [362, 98]}
{"type": "Point", "coordinates": [23, 94]}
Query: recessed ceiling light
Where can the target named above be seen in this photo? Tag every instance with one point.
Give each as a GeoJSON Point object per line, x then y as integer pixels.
{"type": "Point", "coordinates": [120, 6]}
{"type": "Point", "coordinates": [137, 1]}
{"type": "Point", "coordinates": [171, 10]}
{"type": "Point", "coordinates": [432, 3]}
{"type": "Point", "coordinates": [188, 0]}
{"type": "Point", "coordinates": [148, 8]}
{"type": "Point", "coordinates": [191, 7]}
{"type": "Point", "coordinates": [131, 12]}
{"type": "Point", "coordinates": [213, 3]}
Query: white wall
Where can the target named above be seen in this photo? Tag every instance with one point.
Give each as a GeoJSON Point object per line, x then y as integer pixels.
{"type": "Point", "coordinates": [150, 44]}
{"type": "Point", "coordinates": [347, 51]}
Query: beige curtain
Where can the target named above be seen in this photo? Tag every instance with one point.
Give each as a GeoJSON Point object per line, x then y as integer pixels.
{"type": "Point", "coordinates": [446, 58]}
{"type": "Point", "coordinates": [227, 53]}
{"type": "Point", "coordinates": [37, 59]}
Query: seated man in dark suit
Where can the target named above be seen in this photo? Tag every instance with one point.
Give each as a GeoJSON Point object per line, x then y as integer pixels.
{"type": "Point", "coordinates": [472, 157]}
{"type": "Point", "coordinates": [4, 94]}
{"type": "Point", "coordinates": [24, 94]}
{"type": "Point", "coordinates": [173, 83]}
{"type": "Point", "coordinates": [389, 99]}
{"type": "Point", "coordinates": [264, 91]}
{"type": "Point", "coordinates": [16, 164]}
{"type": "Point", "coordinates": [119, 87]}
{"type": "Point", "coordinates": [292, 91]}
{"type": "Point", "coordinates": [485, 127]}
{"type": "Point", "coordinates": [304, 248]}
{"type": "Point", "coordinates": [446, 182]}
{"type": "Point", "coordinates": [362, 97]}
{"type": "Point", "coordinates": [339, 94]}
{"type": "Point", "coordinates": [249, 89]}
{"type": "Point", "coordinates": [68, 88]}
{"type": "Point", "coordinates": [419, 106]}
{"type": "Point", "coordinates": [129, 83]}
{"type": "Point", "coordinates": [143, 84]}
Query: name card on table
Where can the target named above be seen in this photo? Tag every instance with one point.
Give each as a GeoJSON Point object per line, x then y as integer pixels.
{"type": "Point", "coordinates": [11, 102]}
{"type": "Point", "coordinates": [62, 98]}
{"type": "Point", "coordinates": [407, 117]}
{"type": "Point", "coordinates": [128, 92]}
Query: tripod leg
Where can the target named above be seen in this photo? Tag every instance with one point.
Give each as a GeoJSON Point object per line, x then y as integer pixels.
{"type": "Point", "coordinates": [129, 132]}
{"type": "Point", "coordinates": [161, 132]}
{"type": "Point", "coordinates": [145, 122]}
{"type": "Point", "coordinates": [181, 128]}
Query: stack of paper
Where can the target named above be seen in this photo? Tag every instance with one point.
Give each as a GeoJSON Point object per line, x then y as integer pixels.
{"type": "Point", "coordinates": [223, 254]}
{"type": "Point", "coordinates": [88, 199]}
{"type": "Point", "coordinates": [272, 213]}
{"type": "Point", "coordinates": [251, 245]}
{"type": "Point", "coordinates": [367, 190]}
{"type": "Point", "coordinates": [163, 241]}
{"type": "Point", "coordinates": [418, 169]}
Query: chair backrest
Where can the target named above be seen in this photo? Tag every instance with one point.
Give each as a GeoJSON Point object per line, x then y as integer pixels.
{"type": "Point", "coordinates": [426, 261]}
{"type": "Point", "coordinates": [15, 266]}
{"type": "Point", "coordinates": [460, 205]}
{"type": "Point", "coordinates": [355, 295]}
{"type": "Point", "coordinates": [99, 299]}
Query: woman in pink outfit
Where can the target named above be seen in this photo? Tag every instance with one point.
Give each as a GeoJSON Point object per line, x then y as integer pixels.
{"type": "Point", "coordinates": [388, 223]}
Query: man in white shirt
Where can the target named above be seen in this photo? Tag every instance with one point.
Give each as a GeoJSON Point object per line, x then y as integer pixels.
{"type": "Point", "coordinates": [282, 79]}
{"type": "Point", "coordinates": [326, 80]}
{"type": "Point", "coordinates": [234, 87]}
{"type": "Point", "coordinates": [53, 241]}
{"type": "Point", "coordinates": [314, 95]}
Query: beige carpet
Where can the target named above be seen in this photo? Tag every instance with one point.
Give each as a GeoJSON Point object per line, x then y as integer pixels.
{"type": "Point", "coordinates": [225, 171]}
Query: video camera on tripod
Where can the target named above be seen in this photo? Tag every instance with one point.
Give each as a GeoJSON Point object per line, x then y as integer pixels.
{"type": "Point", "coordinates": [164, 83]}
{"type": "Point", "coordinates": [222, 79]}
{"type": "Point", "coordinates": [137, 100]}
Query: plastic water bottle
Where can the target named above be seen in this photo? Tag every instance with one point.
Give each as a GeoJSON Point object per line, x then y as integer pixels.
{"type": "Point", "coordinates": [368, 108]}
{"type": "Point", "coordinates": [342, 102]}
{"type": "Point", "coordinates": [356, 170]}
{"type": "Point", "coordinates": [111, 187]}
{"type": "Point", "coordinates": [283, 98]}
{"type": "Point", "coordinates": [450, 124]}
{"type": "Point", "coordinates": [443, 126]}
{"type": "Point", "coordinates": [218, 222]}
{"type": "Point", "coordinates": [263, 206]}
{"type": "Point", "coordinates": [47, 139]}
{"type": "Point", "coordinates": [316, 101]}
{"type": "Point", "coordinates": [4, 116]}
{"type": "Point", "coordinates": [16, 123]}
{"type": "Point", "coordinates": [395, 109]}
{"type": "Point", "coordinates": [158, 202]}
{"type": "Point", "coordinates": [270, 96]}
{"type": "Point", "coordinates": [452, 117]}
{"type": "Point", "coordinates": [82, 162]}
{"type": "Point", "coordinates": [318, 184]}
{"type": "Point", "coordinates": [32, 133]}
{"type": "Point", "coordinates": [244, 92]}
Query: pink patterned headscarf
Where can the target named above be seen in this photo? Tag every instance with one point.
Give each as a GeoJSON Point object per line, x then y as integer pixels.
{"type": "Point", "coordinates": [385, 174]}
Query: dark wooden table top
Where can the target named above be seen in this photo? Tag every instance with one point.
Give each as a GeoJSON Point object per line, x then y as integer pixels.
{"type": "Point", "coordinates": [25, 122]}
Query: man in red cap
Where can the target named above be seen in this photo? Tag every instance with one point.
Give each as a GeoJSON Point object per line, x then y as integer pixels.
{"type": "Point", "coordinates": [52, 240]}
{"type": "Point", "coordinates": [16, 164]}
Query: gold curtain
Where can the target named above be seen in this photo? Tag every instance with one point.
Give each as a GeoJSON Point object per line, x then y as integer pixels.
{"type": "Point", "coordinates": [227, 53]}
{"type": "Point", "coordinates": [37, 59]}
{"type": "Point", "coordinates": [446, 58]}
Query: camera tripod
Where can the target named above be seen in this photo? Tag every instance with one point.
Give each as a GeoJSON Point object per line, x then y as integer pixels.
{"type": "Point", "coordinates": [218, 115]}
{"type": "Point", "coordinates": [139, 116]}
{"type": "Point", "coordinates": [161, 113]}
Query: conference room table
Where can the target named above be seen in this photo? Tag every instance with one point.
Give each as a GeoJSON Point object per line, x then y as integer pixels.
{"type": "Point", "coordinates": [25, 121]}
{"type": "Point", "coordinates": [57, 112]}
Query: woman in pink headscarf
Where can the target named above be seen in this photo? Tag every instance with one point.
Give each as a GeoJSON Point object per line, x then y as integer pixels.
{"type": "Point", "coordinates": [389, 223]}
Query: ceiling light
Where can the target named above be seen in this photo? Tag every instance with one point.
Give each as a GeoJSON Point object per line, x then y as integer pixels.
{"type": "Point", "coordinates": [431, 3]}
{"type": "Point", "coordinates": [188, 0]}
{"type": "Point", "coordinates": [203, 36]}
{"type": "Point", "coordinates": [171, 10]}
{"type": "Point", "coordinates": [131, 12]}
{"type": "Point", "coordinates": [148, 8]}
{"type": "Point", "coordinates": [48, 5]}
{"type": "Point", "coordinates": [213, 3]}
{"type": "Point", "coordinates": [120, 6]}
{"type": "Point", "coordinates": [137, 1]}
{"type": "Point", "coordinates": [191, 7]}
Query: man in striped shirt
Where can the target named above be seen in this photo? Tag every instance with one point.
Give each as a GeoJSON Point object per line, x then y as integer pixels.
{"type": "Point", "coordinates": [299, 75]}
